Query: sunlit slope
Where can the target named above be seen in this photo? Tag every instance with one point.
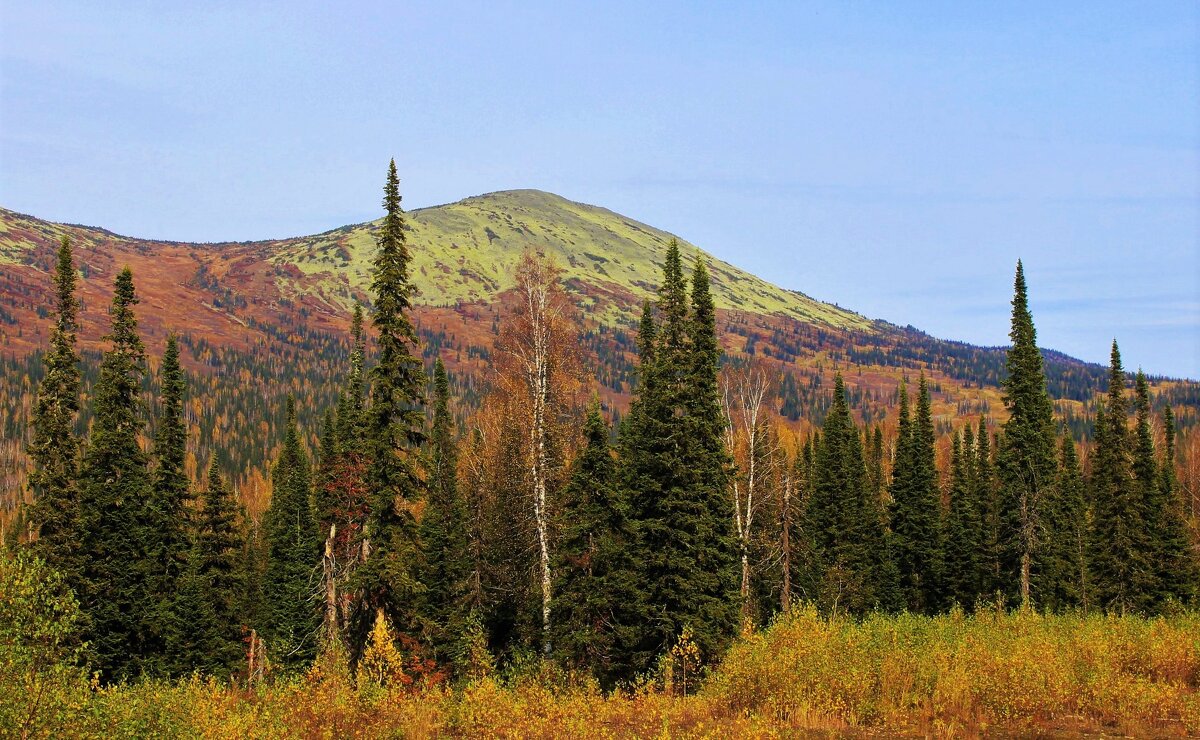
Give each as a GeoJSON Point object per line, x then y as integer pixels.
{"type": "Point", "coordinates": [466, 251]}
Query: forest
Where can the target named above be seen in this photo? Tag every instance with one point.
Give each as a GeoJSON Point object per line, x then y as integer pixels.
{"type": "Point", "coordinates": [520, 557]}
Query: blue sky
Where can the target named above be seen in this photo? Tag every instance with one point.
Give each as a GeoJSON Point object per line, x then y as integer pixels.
{"type": "Point", "coordinates": [896, 158]}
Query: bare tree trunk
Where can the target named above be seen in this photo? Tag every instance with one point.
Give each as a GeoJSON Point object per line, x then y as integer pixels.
{"type": "Point", "coordinates": [744, 398]}
{"type": "Point", "coordinates": [329, 573]}
{"type": "Point", "coordinates": [785, 593]}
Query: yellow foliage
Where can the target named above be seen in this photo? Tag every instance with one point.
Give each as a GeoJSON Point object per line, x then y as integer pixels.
{"type": "Point", "coordinates": [381, 663]}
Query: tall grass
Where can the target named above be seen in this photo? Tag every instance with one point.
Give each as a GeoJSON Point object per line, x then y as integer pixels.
{"type": "Point", "coordinates": [950, 675]}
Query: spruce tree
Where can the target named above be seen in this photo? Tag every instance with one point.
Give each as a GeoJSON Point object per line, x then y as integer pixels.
{"type": "Point", "coordinates": [595, 585]}
{"type": "Point", "coordinates": [1026, 458]}
{"type": "Point", "coordinates": [715, 616]}
{"type": "Point", "coordinates": [119, 593]}
{"type": "Point", "coordinates": [987, 493]}
{"type": "Point", "coordinates": [444, 531]}
{"type": "Point", "coordinates": [393, 431]}
{"type": "Point", "coordinates": [1170, 552]}
{"type": "Point", "coordinates": [964, 526]}
{"type": "Point", "coordinates": [351, 404]}
{"type": "Point", "coordinates": [1066, 553]}
{"type": "Point", "coordinates": [170, 535]}
{"type": "Point", "coordinates": [850, 569]}
{"type": "Point", "coordinates": [1121, 572]}
{"type": "Point", "coordinates": [293, 548]}
{"type": "Point", "coordinates": [916, 512]}
{"type": "Point", "coordinates": [54, 450]}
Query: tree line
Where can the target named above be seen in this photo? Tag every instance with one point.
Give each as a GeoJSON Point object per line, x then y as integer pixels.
{"type": "Point", "coordinates": [528, 532]}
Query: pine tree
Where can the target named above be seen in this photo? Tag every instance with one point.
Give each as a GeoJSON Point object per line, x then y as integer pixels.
{"type": "Point", "coordinates": [119, 592]}
{"type": "Point", "coordinates": [169, 544]}
{"type": "Point", "coordinates": [850, 568]}
{"type": "Point", "coordinates": [1026, 458]}
{"type": "Point", "coordinates": [916, 511]}
{"type": "Point", "coordinates": [55, 448]}
{"type": "Point", "coordinates": [1120, 570]}
{"type": "Point", "coordinates": [595, 584]}
{"type": "Point", "coordinates": [987, 493]}
{"type": "Point", "coordinates": [676, 470]}
{"type": "Point", "coordinates": [1175, 568]}
{"type": "Point", "coordinates": [444, 531]}
{"type": "Point", "coordinates": [393, 431]}
{"type": "Point", "coordinates": [1066, 553]}
{"type": "Point", "coordinates": [351, 403]}
{"type": "Point", "coordinates": [289, 587]}
{"type": "Point", "coordinates": [964, 526]}
{"type": "Point", "coordinates": [207, 633]}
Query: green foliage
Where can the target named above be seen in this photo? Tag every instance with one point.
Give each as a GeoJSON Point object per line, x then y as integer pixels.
{"type": "Point", "coordinates": [675, 468]}
{"type": "Point", "coordinates": [1177, 572]}
{"type": "Point", "coordinates": [1066, 514]}
{"type": "Point", "coordinates": [917, 540]}
{"type": "Point", "coordinates": [120, 575]}
{"type": "Point", "coordinates": [1119, 549]}
{"type": "Point", "coordinates": [850, 569]}
{"type": "Point", "coordinates": [289, 586]}
{"type": "Point", "coordinates": [389, 579]}
{"type": "Point", "coordinates": [964, 565]}
{"type": "Point", "coordinates": [54, 450]}
{"type": "Point", "coordinates": [444, 532]}
{"type": "Point", "coordinates": [1026, 458]}
{"type": "Point", "coordinates": [595, 585]}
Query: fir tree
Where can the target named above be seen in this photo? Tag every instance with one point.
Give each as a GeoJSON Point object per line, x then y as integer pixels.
{"type": "Point", "coordinates": [55, 449]}
{"type": "Point", "coordinates": [1120, 570]}
{"type": "Point", "coordinates": [595, 584]}
{"type": "Point", "coordinates": [1176, 573]}
{"type": "Point", "coordinates": [988, 495]}
{"type": "Point", "coordinates": [291, 616]}
{"type": "Point", "coordinates": [1066, 553]}
{"type": "Point", "coordinates": [444, 530]}
{"type": "Point", "coordinates": [170, 534]}
{"type": "Point", "coordinates": [351, 404]}
{"type": "Point", "coordinates": [850, 568]}
{"type": "Point", "coordinates": [964, 525]}
{"type": "Point", "coordinates": [916, 511]}
{"type": "Point", "coordinates": [1026, 458]}
{"type": "Point", "coordinates": [119, 593]}
{"type": "Point", "coordinates": [394, 433]}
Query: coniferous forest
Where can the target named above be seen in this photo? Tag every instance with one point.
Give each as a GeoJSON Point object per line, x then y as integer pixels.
{"type": "Point", "coordinates": [536, 560]}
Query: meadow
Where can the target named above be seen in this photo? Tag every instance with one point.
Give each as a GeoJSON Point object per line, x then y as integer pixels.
{"type": "Point", "coordinates": [950, 675]}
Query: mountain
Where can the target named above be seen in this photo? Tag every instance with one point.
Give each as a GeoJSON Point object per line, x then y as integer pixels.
{"type": "Point", "coordinates": [257, 319]}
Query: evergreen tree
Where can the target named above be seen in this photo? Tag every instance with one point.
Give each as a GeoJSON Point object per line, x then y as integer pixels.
{"type": "Point", "coordinates": [675, 468]}
{"type": "Point", "coordinates": [964, 526]}
{"type": "Point", "coordinates": [1026, 458]}
{"type": "Point", "coordinates": [850, 568]}
{"type": "Point", "coordinates": [293, 548]}
{"type": "Point", "coordinates": [351, 403]}
{"type": "Point", "coordinates": [987, 494]}
{"type": "Point", "coordinates": [916, 511]}
{"type": "Point", "coordinates": [207, 635]}
{"type": "Point", "coordinates": [119, 593]}
{"type": "Point", "coordinates": [55, 449]}
{"type": "Point", "coordinates": [595, 584]}
{"type": "Point", "coordinates": [1066, 553]}
{"type": "Point", "coordinates": [170, 534]}
{"type": "Point", "coordinates": [1120, 570]}
{"type": "Point", "coordinates": [444, 531]}
{"type": "Point", "coordinates": [1176, 574]}
{"type": "Point", "coordinates": [394, 433]}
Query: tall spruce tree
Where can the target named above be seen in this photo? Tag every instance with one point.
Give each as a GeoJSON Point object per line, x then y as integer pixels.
{"type": "Point", "coordinates": [54, 450]}
{"type": "Point", "coordinates": [987, 493]}
{"type": "Point", "coordinates": [1026, 458]}
{"type": "Point", "coordinates": [170, 505]}
{"type": "Point", "coordinates": [1178, 571]}
{"type": "Point", "coordinates": [917, 545]}
{"type": "Point", "coordinates": [850, 568]}
{"type": "Point", "coordinates": [964, 526]}
{"type": "Point", "coordinates": [394, 432]}
{"type": "Point", "coordinates": [444, 531]}
{"type": "Point", "coordinates": [595, 583]}
{"type": "Point", "coordinates": [1066, 575]}
{"type": "Point", "coordinates": [293, 549]}
{"type": "Point", "coordinates": [674, 466]}
{"type": "Point", "coordinates": [119, 591]}
{"type": "Point", "coordinates": [1121, 572]}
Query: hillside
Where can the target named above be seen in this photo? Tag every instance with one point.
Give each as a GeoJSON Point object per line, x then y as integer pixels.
{"type": "Point", "coordinates": [259, 318]}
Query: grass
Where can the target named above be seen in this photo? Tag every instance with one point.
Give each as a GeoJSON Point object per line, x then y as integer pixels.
{"type": "Point", "coordinates": [947, 676]}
